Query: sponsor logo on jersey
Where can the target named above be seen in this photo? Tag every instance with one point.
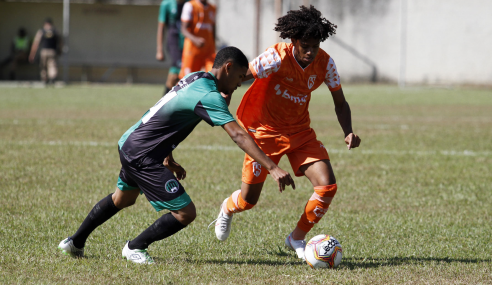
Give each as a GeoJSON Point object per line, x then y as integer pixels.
{"type": "Point", "coordinates": [311, 80]}
{"type": "Point", "coordinates": [256, 169]}
{"type": "Point", "coordinates": [252, 130]}
{"type": "Point", "coordinates": [172, 186]}
{"type": "Point", "coordinates": [320, 212]}
{"type": "Point", "coordinates": [299, 99]}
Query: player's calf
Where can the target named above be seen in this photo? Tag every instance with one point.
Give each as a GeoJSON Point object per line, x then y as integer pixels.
{"type": "Point", "coordinates": [317, 206]}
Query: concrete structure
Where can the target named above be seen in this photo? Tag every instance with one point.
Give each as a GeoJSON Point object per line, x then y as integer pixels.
{"type": "Point", "coordinates": [411, 41]}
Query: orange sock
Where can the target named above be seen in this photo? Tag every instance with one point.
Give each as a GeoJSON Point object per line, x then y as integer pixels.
{"type": "Point", "coordinates": [236, 203]}
{"type": "Point", "coordinates": [317, 206]}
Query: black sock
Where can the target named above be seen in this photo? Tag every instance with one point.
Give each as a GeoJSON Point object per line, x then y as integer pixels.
{"type": "Point", "coordinates": [101, 212]}
{"type": "Point", "coordinates": [165, 226]}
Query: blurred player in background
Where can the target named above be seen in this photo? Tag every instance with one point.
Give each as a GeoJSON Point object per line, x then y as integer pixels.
{"type": "Point", "coordinates": [198, 27]}
{"type": "Point", "coordinates": [169, 23]}
{"type": "Point", "coordinates": [151, 141]}
{"type": "Point", "coordinates": [50, 43]}
{"type": "Point", "coordinates": [19, 53]}
{"type": "Point", "coordinates": [274, 112]}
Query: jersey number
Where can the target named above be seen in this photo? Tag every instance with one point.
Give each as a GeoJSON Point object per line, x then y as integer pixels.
{"type": "Point", "coordinates": [158, 106]}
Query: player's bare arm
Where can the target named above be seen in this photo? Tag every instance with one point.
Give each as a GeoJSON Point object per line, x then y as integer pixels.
{"type": "Point", "coordinates": [35, 46]}
{"type": "Point", "coordinates": [249, 75]}
{"type": "Point", "coordinates": [246, 143]}
{"type": "Point", "coordinates": [161, 28]}
{"type": "Point", "coordinates": [344, 116]}
{"type": "Point", "coordinates": [197, 41]}
{"type": "Point", "coordinates": [172, 165]}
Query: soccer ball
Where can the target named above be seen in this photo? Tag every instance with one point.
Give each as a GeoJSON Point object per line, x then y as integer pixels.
{"type": "Point", "coordinates": [323, 251]}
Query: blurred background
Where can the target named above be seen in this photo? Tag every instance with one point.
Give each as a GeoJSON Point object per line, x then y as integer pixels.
{"type": "Point", "coordinates": [405, 42]}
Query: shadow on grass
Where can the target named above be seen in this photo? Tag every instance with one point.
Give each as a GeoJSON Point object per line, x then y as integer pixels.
{"type": "Point", "coordinates": [369, 262]}
{"type": "Point", "coordinates": [350, 263]}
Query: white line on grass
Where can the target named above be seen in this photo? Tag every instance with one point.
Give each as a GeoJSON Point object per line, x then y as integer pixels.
{"type": "Point", "coordinates": [234, 148]}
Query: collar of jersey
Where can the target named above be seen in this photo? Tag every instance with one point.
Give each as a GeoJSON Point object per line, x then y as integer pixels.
{"type": "Point", "coordinates": [215, 79]}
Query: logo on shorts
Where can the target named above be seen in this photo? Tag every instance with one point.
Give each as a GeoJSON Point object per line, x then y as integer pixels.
{"type": "Point", "coordinates": [311, 80]}
{"type": "Point", "coordinates": [172, 186]}
{"type": "Point", "coordinates": [256, 169]}
{"type": "Point", "coordinates": [322, 146]}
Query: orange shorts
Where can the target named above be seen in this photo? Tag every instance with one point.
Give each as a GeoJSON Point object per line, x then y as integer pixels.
{"type": "Point", "coordinates": [301, 148]}
{"type": "Point", "coordinates": [192, 62]}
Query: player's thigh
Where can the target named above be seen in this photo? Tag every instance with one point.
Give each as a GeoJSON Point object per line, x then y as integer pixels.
{"type": "Point", "coordinates": [123, 199]}
{"type": "Point", "coordinates": [320, 172]}
{"type": "Point", "coordinates": [127, 190]}
{"type": "Point", "coordinates": [308, 156]}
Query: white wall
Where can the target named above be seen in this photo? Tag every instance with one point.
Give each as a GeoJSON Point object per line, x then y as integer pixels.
{"type": "Point", "coordinates": [448, 42]}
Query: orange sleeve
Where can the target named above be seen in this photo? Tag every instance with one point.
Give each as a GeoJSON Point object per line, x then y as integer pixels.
{"type": "Point", "coordinates": [266, 63]}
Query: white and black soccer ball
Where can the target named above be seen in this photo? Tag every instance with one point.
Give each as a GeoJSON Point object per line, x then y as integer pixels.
{"type": "Point", "coordinates": [323, 251]}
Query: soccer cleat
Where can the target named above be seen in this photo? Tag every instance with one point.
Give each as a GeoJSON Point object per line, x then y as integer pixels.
{"type": "Point", "coordinates": [222, 224]}
{"type": "Point", "coordinates": [296, 245]}
{"type": "Point", "coordinates": [140, 256]}
{"type": "Point", "coordinates": [67, 248]}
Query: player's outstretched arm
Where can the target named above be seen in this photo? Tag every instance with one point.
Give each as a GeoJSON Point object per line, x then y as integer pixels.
{"type": "Point", "coordinates": [344, 116]}
{"type": "Point", "coordinates": [172, 165]}
{"type": "Point", "coordinates": [246, 143]}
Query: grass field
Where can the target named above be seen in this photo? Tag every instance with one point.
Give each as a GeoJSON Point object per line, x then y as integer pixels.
{"type": "Point", "coordinates": [414, 204]}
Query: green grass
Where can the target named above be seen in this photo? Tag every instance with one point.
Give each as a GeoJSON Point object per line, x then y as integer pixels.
{"type": "Point", "coordinates": [413, 205]}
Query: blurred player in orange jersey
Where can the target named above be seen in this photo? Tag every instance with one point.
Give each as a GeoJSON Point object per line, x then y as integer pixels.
{"type": "Point", "coordinates": [198, 27]}
{"type": "Point", "coordinates": [274, 111]}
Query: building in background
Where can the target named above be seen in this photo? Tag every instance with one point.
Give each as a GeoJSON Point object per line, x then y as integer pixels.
{"type": "Point", "coordinates": [407, 41]}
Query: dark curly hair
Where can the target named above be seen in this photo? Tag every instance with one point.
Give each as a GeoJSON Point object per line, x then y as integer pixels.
{"type": "Point", "coordinates": [305, 23]}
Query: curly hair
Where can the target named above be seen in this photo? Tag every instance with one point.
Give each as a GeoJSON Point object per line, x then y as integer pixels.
{"type": "Point", "coordinates": [305, 23]}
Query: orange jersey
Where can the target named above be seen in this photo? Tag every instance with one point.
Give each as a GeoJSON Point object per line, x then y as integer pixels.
{"type": "Point", "coordinates": [277, 102]}
{"type": "Point", "coordinates": [202, 22]}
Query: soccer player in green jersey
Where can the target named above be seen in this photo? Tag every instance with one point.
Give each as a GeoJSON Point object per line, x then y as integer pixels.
{"type": "Point", "coordinates": [147, 164]}
{"type": "Point", "coordinates": [169, 23]}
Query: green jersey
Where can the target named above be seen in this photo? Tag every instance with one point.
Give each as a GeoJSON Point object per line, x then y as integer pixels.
{"type": "Point", "coordinates": [173, 118]}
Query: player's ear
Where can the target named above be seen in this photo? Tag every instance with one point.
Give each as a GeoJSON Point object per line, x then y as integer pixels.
{"type": "Point", "coordinates": [228, 66]}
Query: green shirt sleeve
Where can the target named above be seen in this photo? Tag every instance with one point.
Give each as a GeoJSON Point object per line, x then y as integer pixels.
{"type": "Point", "coordinates": [162, 11]}
{"type": "Point", "coordinates": [213, 109]}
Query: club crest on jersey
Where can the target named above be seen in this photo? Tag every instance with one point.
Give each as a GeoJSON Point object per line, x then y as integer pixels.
{"type": "Point", "coordinates": [172, 186]}
{"type": "Point", "coordinates": [311, 80]}
{"type": "Point", "coordinates": [256, 169]}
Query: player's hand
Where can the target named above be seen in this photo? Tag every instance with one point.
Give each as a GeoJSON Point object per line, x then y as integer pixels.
{"type": "Point", "coordinates": [283, 178]}
{"type": "Point", "coordinates": [160, 56]}
{"type": "Point", "coordinates": [352, 141]}
{"type": "Point", "coordinates": [199, 42]}
{"type": "Point", "coordinates": [177, 169]}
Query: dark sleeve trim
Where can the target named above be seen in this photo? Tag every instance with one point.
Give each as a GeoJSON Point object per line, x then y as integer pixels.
{"type": "Point", "coordinates": [202, 113]}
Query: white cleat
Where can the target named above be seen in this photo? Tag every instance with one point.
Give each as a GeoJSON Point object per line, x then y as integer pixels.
{"type": "Point", "coordinates": [67, 248]}
{"type": "Point", "coordinates": [296, 245]}
{"type": "Point", "coordinates": [140, 256]}
{"type": "Point", "coordinates": [222, 224]}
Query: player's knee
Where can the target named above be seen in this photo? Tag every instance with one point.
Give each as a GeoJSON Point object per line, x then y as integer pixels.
{"type": "Point", "coordinates": [186, 215]}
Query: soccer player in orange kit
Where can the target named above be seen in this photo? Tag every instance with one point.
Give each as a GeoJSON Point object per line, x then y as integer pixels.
{"type": "Point", "coordinates": [198, 27]}
{"type": "Point", "coordinates": [274, 111]}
